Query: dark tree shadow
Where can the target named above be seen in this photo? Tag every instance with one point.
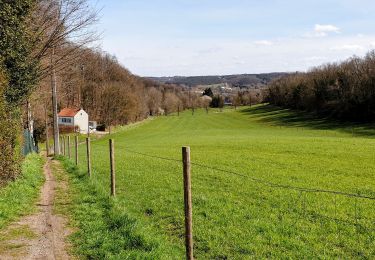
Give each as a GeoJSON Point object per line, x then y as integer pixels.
{"type": "Point", "coordinates": [291, 118]}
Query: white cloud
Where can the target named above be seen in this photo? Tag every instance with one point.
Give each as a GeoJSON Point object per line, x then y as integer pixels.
{"type": "Point", "coordinates": [322, 30]}
{"type": "Point", "coordinates": [264, 43]}
{"type": "Point", "coordinates": [348, 47]}
{"type": "Point", "coordinates": [319, 28]}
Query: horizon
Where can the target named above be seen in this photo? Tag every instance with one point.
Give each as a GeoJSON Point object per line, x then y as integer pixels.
{"type": "Point", "coordinates": [242, 37]}
{"type": "Point", "coordinates": [221, 75]}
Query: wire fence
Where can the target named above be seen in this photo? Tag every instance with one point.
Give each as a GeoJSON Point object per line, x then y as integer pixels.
{"type": "Point", "coordinates": [258, 180]}
{"type": "Point", "coordinates": [301, 214]}
{"type": "Point", "coordinates": [350, 213]}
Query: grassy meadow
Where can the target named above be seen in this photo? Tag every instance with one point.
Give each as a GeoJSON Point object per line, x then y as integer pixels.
{"type": "Point", "coordinates": [239, 211]}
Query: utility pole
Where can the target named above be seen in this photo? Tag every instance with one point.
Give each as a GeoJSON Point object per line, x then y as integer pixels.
{"type": "Point", "coordinates": [56, 143]}
{"type": "Point", "coordinates": [82, 67]}
{"type": "Point", "coordinates": [47, 135]}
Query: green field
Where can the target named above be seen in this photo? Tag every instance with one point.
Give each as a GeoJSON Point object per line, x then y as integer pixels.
{"type": "Point", "coordinates": [242, 212]}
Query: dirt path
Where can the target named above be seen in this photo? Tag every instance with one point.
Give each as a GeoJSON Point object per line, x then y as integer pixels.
{"type": "Point", "coordinates": [41, 235]}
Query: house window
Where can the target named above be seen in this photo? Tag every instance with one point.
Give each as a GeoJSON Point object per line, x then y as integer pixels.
{"type": "Point", "coordinates": [66, 120]}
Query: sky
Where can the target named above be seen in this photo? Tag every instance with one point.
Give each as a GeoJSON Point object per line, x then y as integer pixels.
{"type": "Point", "coordinates": [220, 37]}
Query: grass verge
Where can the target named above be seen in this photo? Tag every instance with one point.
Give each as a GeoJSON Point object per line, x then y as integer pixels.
{"type": "Point", "coordinates": [17, 198]}
{"type": "Point", "coordinates": [103, 229]}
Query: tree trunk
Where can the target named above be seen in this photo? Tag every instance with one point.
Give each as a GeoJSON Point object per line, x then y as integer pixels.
{"type": "Point", "coordinates": [47, 135]}
{"type": "Point", "coordinates": [56, 139]}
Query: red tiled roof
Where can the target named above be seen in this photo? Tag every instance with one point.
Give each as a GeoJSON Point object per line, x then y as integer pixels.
{"type": "Point", "coordinates": [69, 112]}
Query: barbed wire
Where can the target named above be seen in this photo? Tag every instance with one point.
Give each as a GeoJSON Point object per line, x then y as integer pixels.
{"type": "Point", "coordinates": [262, 181]}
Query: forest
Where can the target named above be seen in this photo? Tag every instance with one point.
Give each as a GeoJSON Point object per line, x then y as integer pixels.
{"type": "Point", "coordinates": [339, 90]}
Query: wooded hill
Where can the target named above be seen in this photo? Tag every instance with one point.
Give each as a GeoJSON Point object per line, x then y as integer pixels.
{"type": "Point", "coordinates": [241, 80]}
{"type": "Point", "coordinates": [343, 90]}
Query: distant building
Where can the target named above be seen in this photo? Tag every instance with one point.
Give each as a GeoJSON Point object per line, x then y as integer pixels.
{"type": "Point", "coordinates": [77, 119]}
{"type": "Point", "coordinates": [93, 125]}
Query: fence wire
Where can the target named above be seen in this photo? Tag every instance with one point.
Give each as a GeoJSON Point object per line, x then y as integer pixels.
{"type": "Point", "coordinates": [304, 211]}
{"type": "Point", "coordinates": [261, 181]}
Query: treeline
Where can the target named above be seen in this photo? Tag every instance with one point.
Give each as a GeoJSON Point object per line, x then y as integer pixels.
{"type": "Point", "coordinates": [110, 93]}
{"type": "Point", "coordinates": [343, 90]}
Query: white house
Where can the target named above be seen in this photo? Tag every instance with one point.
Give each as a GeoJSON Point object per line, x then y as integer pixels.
{"type": "Point", "coordinates": [74, 118]}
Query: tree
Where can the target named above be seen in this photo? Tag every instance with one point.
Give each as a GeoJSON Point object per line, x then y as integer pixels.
{"type": "Point", "coordinates": [170, 103]}
{"type": "Point", "coordinates": [238, 100]}
{"type": "Point", "coordinates": [154, 100]}
{"type": "Point", "coordinates": [217, 101]}
{"type": "Point", "coordinates": [64, 27]}
{"type": "Point", "coordinates": [208, 92]}
{"type": "Point", "coordinates": [16, 50]}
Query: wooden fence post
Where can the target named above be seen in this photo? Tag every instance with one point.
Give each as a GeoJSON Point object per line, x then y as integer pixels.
{"type": "Point", "coordinates": [47, 148]}
{"type": "Point", "coordinates": [64, 146]}
{"type": "Point", "coordinates": [188, 203]}
{"type": "Point", "coordinates": [112, 163]}
{"type": "Point", "coordinates": [88, 148]}
{"type": "Point", "coordinates": [61, 146]}
{"type": "Point", "coordinates": [76, 148]}
{"type": "Point", "coordinates": [69, 153]}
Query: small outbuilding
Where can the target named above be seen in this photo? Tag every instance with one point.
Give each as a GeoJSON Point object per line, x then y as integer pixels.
{"type": "Point", "coordinates": [76, 119]}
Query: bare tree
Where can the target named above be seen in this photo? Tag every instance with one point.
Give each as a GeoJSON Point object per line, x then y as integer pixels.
{"type": "Point", "coordinates": [64, 27]}
{"type": "Point", "coordinates": [170, 103]}
{"type": "Point", "coordinates": [154, 100]}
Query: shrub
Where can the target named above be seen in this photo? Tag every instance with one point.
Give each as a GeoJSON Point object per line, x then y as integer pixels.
{"type": "Point", "coordinates": [9, 138]}
{"type": "Point", "coordinates": [66, 129]}
{"type": "Point", "coordinates": [20, 68]}
{"type": "Point", "coordinates": [217, 101]}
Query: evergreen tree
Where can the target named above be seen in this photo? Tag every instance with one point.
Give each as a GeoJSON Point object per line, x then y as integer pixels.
{"type": "Point", "coordinates": [208, 92]}
{"type": "Point", "coordinates": [15, 49]}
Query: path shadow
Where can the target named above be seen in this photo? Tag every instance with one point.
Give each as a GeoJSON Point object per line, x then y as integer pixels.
{"type": "Point", "coordinates": [290, 118]}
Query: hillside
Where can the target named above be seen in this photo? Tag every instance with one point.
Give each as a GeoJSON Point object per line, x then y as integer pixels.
{"type": "Point", "coordinates": [240, 80]}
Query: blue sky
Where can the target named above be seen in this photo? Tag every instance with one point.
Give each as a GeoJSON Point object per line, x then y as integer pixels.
{"type": "Point", "coordinates": [212, 37]}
